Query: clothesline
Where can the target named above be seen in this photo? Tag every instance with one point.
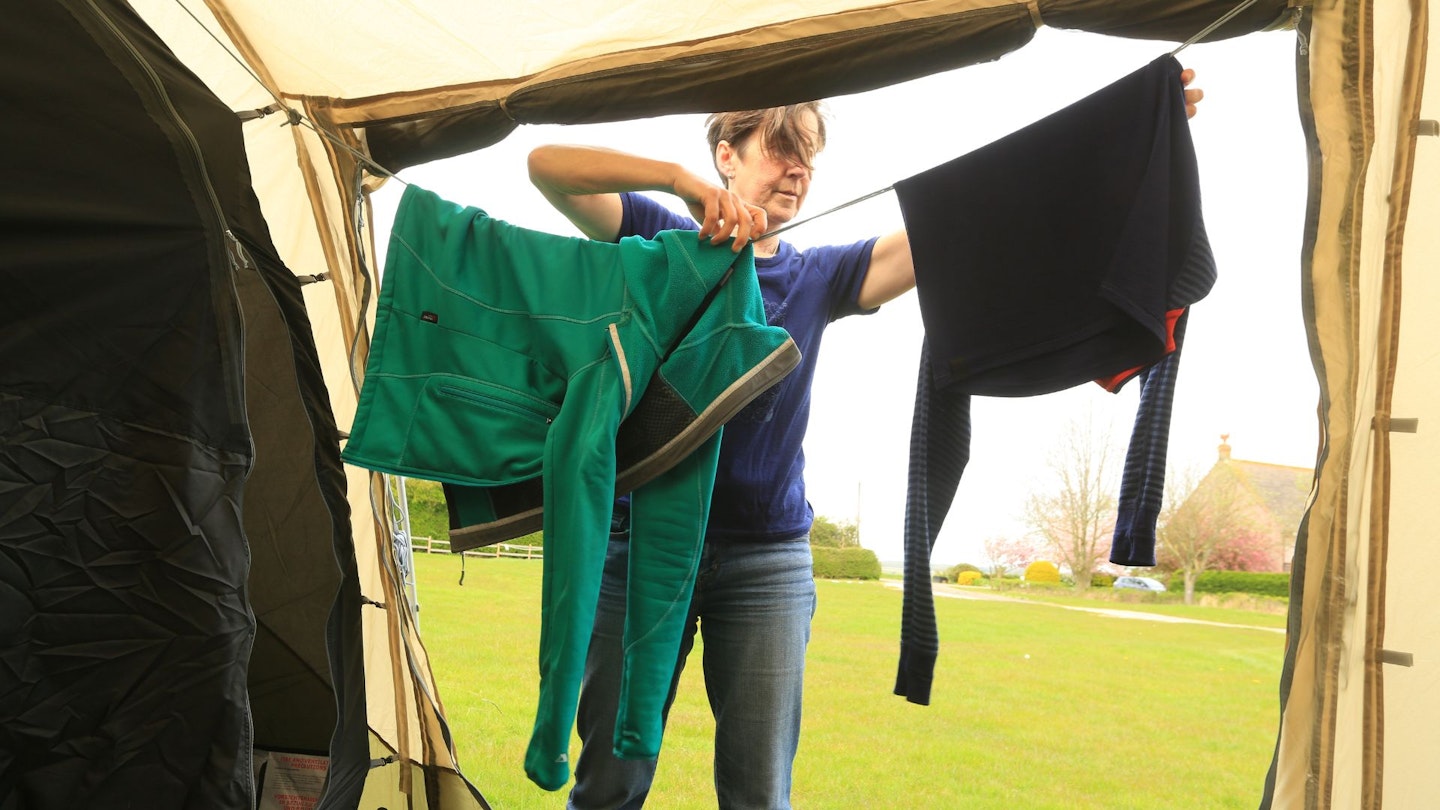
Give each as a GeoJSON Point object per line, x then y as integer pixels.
{"type": "Point", "coordinates": [299, 119]}
{"type": "Point", "coordinates": [1205, 32]}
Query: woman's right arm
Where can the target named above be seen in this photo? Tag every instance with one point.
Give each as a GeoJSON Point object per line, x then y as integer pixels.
{"type": "Point", "coordinates": [584, 184]}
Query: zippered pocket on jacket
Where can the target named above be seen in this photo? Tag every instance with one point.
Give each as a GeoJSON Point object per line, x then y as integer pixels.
{"type": "Point", "coordinates": [472, 430]}
{"type": "Point", "coordinates": [517, 406]}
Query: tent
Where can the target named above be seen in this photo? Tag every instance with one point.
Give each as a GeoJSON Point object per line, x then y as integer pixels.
{"type": "Point", "coordinates": [171, 406]}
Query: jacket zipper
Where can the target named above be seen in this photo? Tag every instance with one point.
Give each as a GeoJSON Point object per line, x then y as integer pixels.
{"type": "Point", "coordinates": [624, 367]}
{"type": "Point", "coordinates": [497, 403]}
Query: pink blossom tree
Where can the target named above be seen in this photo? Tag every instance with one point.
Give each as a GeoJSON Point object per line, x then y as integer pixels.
{"type": "Point", "coordinates": [1207, 525]}
{"type": "Point", "coordinates": [1076, 518]}
{"type": "Point", "coordinates": [1006, 553]}
{"type": "Point", "coordinates": [1249, 549]}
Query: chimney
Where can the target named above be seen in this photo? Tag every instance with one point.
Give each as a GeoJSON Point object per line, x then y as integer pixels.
{"type": "Point", "coordinates": [1224, 447]}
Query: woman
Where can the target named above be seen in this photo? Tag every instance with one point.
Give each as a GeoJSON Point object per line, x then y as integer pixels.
{"type": "Point", "coordinates": [754, 594]}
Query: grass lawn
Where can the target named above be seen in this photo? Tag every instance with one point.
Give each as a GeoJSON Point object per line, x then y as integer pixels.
{"type": "Point", "coordinates": [1104, 713]}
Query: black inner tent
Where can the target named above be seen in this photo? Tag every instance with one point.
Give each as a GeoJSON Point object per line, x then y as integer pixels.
{"type": "Point", "coordinates": [171, 498]}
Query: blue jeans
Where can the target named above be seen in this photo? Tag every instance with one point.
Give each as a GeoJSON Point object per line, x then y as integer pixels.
{"type": "Point", "coordinates": [753, 604]}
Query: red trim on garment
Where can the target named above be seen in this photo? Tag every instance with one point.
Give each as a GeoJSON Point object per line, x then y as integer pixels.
{"type": "Point", "coordinates": [1115, 381]}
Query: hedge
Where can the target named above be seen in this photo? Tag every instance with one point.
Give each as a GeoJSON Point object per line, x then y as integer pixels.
{"type": "Point", "coordinates": [1240, 582]}
{"type": "Point", "coordinates": [845, 563]}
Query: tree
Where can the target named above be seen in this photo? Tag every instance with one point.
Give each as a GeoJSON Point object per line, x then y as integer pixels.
{"type": "Point", "coordinates": [1006, 553]}
{"type": "Point", "coordinates": [1249, 549]}
{"type": "Point", "coordinates": [1203, 524]}
{"type": "Point", "coordinates": [1076, 519]}
{"type": "Point", "coordinates": [825, 532]}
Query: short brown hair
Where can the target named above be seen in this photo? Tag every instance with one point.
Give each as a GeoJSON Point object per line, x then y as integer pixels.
{"type": "Point", "coordinates": [779, 127]}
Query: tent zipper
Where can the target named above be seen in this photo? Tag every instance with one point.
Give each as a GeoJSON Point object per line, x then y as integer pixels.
{"type": "Point", "coordinates": [179, 121]}
{"type": "Point", "coordinates": [238, 258]}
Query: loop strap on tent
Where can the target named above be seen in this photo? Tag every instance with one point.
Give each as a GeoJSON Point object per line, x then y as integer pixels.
{"type": "Point", "coordinates": [1033, 6]}
{"type": "Point", "coordinates": [292, 116]}
{"type": "Point", "coordinates": [251, 115]}
{"type": "Point", "coordinates": [1401, 659]}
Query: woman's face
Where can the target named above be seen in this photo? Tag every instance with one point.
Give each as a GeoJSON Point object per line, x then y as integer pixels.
{"type": "Point", "coordinates": [760, 178]}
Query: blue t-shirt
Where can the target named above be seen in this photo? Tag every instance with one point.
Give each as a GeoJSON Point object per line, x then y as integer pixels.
{"type": "Point", "coordinates": [760, 483]}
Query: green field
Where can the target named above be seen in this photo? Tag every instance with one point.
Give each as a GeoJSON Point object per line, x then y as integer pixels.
{"type": "Point", "coordinates": [1105, 713]}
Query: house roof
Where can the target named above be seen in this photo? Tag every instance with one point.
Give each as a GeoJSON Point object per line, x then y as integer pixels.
{"type": "Point", "coordinates": [1281, 490]}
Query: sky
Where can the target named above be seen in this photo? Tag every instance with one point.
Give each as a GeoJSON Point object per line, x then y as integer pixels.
{"type": "Point", "coordinates": [1245, 370]}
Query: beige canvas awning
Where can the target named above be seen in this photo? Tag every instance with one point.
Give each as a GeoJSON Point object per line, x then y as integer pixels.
{"type": "Point", "coordinates": [1358, 710]}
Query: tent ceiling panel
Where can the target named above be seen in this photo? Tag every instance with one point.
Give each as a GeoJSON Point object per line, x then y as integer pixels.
{"type": "Point", "coordinates": [487, 67]}
{"type": "Point", "coordinates": [355, 56]}
{"type": "Point", "coordinates": [780, 65]}
{"type": "Point", "coordinates": [478, 42]}
{"type": "Point", "coordinates": [787, 61]}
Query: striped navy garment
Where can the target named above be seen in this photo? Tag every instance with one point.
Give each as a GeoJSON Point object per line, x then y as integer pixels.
{"type": "Point", "coordinates": [1045, 260]}
{"type": "Point", "coordinates": [1142, 486]}
{"type": "Point", "coordinates": [939, 450]}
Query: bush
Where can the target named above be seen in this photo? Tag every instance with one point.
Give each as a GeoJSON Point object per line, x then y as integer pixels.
{"type": "Point", "coordinates": [429, 516]}
{"type": "Point", "coordinates": [1042, 571]}
{"type": "Point", "coordinates": [1259, 584]}
{"type": "Point", "coordinates": [952, 574]}
{"type": "Point", "coordinates": [1003, 582]}
{"type": "Point", "coordinates": [969, 577]}
{"type": "Point", "coordinates": [1049, 586]}
{"type": "Point", "coordinates": [826, 532]}
{"type": "Point", "coordinates": [1101, 580]}
{"type": "Point", "coordinates": [845, 563]}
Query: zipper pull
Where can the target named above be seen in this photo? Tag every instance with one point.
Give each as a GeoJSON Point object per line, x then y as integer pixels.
{"type": "Point", "coordinates": [239, 256]}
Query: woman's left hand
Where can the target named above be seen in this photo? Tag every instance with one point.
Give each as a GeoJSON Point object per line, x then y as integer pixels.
{"type": "Point", "coordinates": [1192, 95]}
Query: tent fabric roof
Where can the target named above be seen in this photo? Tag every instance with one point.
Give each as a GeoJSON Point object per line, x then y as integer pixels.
{"type": "Point", "coordinates": [486, 68]}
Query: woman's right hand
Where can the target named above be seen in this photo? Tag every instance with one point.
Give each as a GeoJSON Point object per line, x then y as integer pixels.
{"type": "Point", "coordinates": [721, 213]}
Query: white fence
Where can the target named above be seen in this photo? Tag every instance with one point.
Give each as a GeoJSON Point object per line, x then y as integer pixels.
{"type": "Point", "coordinates": [431, 545]}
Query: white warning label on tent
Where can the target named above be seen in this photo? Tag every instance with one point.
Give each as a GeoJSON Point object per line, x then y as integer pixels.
{"type": "Point", "coordinates": [290, 781]}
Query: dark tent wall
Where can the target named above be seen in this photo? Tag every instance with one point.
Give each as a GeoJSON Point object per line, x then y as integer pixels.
{"type": "Point", "coordinates": [171, 498]}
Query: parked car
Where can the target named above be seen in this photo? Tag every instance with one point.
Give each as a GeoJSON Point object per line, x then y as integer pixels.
{"type": "Point", "coordinates": [1139, 583]}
